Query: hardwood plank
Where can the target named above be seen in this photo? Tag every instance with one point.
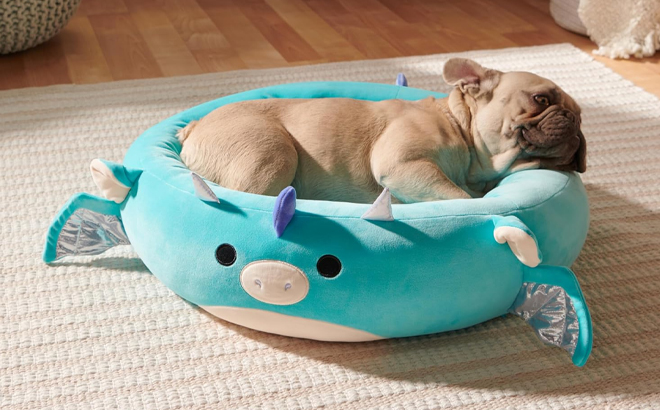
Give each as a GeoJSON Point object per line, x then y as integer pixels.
{"type": "Point", "coordinates": [353, 29]}
{"type": "Point", "coordinates": [530, 38]}
{"type": "Point", "coordinates": [308, 62]}
{"type": "Point", "coordinates": [210, 49]}
{"type": "Point", "coordinates": [94, 7]}
{"type": "Point", "coordinates": [544, 23]}
{"type": "Point", "coordinates": [83, 53]}
{"type": "Point", "coordinates": [495, 41]}
{"type": "Point", "coordinates": [652, 63]}
{"type": "Point", "coordinates": [285, 40]}
{"type": "Point", "coordinates": [251, 47]}
{"type": "Point", "coordinates": [101, 43]}
{"type": "Point", "coordinates": [450, 27]}
{"type": "Point", "coordinates": [325, 40]}
{"type": "Point", "coordinates": [46, 64]}
{"type": "Point", "coordinates": [447, 16]}
{"type": "Point", "coordinates": [407, 38]}
{"type": "Point", "coordinates": [546, 34]}
{"type": "Point", "coordinates": [13, 72]}
{"type": "Point", "coordinates": [493, 16]}
{"type": "Point", "coordinates": [220, 60]}
{"type": "Point", "coordinates": [407, 11]}
{"type": "Point", "coordinates": [194, 25]}
{"type": "Point", "coordinates": [542, 6]}
{"type": "Point", "coordinates": [125, 50]}
{"type": "Point", "coordinates": [135, 6]}
{"type": "Point", "coordinates": [455, 29]}
{"type": "Point", "coordinates": [169, 50]}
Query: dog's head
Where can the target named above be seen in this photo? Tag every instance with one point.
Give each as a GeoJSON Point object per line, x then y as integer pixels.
{"type": "Point", "coordinates": [521, 111]}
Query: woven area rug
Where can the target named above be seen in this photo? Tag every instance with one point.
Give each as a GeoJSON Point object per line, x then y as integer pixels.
{"type": "Point", "coordinates": [102, 332]}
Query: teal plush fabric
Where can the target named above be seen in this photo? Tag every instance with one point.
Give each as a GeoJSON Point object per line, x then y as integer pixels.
{"type": "Point", "coordinates": [436, 267]}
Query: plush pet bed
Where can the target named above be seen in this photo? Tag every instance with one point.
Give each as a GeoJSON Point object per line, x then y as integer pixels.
{"type": "Point", "coordinates": [340, 271]}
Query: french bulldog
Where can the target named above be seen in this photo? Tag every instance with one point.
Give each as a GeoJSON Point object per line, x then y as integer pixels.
{"type": "Point", "coordinates": [492, 124]}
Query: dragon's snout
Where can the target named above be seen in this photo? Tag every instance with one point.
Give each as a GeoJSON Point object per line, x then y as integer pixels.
{"type": "Point", "coordinates": [274, 282]}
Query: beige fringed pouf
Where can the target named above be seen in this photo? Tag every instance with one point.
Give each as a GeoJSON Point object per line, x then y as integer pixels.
{"type": "Point", "coordinates": [620, 28]}
{"type": "Point", "coordinates": [26, 23]}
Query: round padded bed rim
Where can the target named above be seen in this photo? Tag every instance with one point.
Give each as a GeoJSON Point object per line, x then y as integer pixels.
{"type": "Point", "coordinates": [514, 194]}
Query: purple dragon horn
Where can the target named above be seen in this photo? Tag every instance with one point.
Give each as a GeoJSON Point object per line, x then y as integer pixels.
{"type": "Point", "coordinates": [285, 207]}
{"type": "Point", "coordinates": [401, 80]}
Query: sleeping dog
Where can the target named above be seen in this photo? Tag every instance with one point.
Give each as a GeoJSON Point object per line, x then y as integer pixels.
{"type": "Point", "coordinates": [491, 125]}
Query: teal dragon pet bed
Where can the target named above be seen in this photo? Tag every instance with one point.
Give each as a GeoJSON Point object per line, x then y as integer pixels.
{"type": "Point", "coordinates": [338, 271]}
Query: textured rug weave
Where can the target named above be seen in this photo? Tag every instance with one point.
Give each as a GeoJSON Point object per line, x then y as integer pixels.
{"type": "Point", "coordinates": [102, 332]}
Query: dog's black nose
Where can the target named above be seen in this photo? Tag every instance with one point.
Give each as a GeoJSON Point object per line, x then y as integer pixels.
{"type": "Point", "coordinates": [556, 128]}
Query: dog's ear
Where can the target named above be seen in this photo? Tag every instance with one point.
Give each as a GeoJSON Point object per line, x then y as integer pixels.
{"type": "Point", "coordinates": [470, 77]}
{"type": "Point", "coordinates": [577, 162]}
{"type": "Point", "coordinates": [580, 159]}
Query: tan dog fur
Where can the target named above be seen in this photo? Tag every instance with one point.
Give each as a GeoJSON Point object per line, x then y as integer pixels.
{"type": "Point", "coordinates": [346, 150]}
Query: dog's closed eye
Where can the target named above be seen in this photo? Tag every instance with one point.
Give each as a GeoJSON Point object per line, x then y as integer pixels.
{"type": "Point", "coordinates": [542, 99]}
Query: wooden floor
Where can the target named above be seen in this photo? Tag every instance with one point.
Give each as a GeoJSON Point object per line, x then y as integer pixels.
{"type": "Point", "coordinates": [110, 40]}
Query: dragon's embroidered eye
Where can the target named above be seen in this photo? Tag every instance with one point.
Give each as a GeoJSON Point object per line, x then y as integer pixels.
{"type": "Point", "coordinates": [328, 266]}
{"type": "Point", "coordinates": [225, 254]}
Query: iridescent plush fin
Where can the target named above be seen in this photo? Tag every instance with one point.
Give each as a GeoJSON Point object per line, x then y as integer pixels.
{"type": "Point", "coordinates": [86, 225]}
{"type": "Point", "coordinates": [551, 301]}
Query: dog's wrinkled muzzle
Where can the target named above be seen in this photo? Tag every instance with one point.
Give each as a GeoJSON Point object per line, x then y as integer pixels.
{"type": "Point", "coordinates": [555, 128]}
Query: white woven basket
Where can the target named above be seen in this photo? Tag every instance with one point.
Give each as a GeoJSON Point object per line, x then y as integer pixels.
{"type": "Point", "coordinates": [26, 23]}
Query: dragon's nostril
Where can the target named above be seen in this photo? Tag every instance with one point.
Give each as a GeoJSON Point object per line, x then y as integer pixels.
{"type": "Point", "coordinates": [287, 286]}
{"type": "Point", "coordinates": [258, 283]}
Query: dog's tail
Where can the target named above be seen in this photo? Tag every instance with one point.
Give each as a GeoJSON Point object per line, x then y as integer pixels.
{"type": "Point", "coordinates": [184, 132]}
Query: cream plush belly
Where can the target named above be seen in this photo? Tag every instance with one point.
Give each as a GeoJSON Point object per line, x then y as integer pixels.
{"type": "Point", "coordinates": [292, 326]}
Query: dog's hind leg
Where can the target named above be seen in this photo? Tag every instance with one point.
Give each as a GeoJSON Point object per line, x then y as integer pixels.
{"type": "Point", "coordinates": [273, 169]}
{"type": "Point", "coordinates": [184, 132]}
{"type": "Point", "coordinates": [252, 154]}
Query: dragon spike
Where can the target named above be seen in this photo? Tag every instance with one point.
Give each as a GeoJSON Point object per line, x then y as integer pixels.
{"type": "Point", "coordinates": [401, 80]}
{"type": "Point", "coordinates": [285, 207]}
{"type": "Point", "coordinates": [203, 191]}
{"type": "Point", "coordinates": [381, 210]}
